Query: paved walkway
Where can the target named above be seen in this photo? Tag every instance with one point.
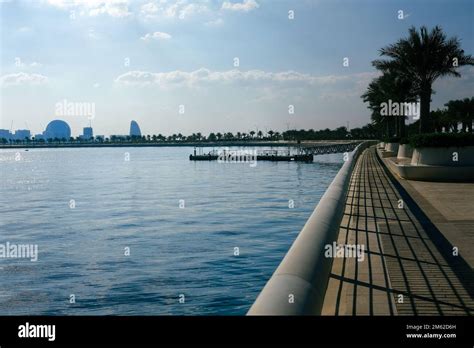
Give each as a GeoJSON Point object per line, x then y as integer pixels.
{"type": "Point", "coordinates": [450, 206]}
{"type": "Point", "coordinates": [408, 268]}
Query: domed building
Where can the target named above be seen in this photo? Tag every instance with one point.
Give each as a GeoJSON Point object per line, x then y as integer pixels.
{"type": "Point", "coordinates": [135, 129]}
{"type": "Point", "coordinates": [57, 129]}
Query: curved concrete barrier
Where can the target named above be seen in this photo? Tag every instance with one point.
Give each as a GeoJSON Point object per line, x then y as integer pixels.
{"type": "Point", "coordinates": [405, 151]}
{"type": "Point", "coordinates": [392, 147]}
{"type": "Point", "coordinates": [299, 283]}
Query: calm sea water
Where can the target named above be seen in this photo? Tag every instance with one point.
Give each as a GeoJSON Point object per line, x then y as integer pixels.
{"type": "Point", "coordinates": [135, 204]}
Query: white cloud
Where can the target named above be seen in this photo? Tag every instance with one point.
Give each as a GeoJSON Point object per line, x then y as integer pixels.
{"type": "Point", "coordinates": [20, 64]}
{"type": "Point", "coordinates": [192, 9]}
{"type": "Point", "coordinates": [173, 9]}
{"type": "Point", "coordinates": [113, 8]}
{"type": "Point", "coordinates": [150, 9]}
{"type": "Point", "coordinates": [201, 76]}
{"type": "Point", "coordinates": [157, 36]}
{"type": "Point", "coordinates": [245, 6]}
{"type": "Point", "coordinates": [182, 9]}
{"type": "Point", "coordinates": [22, 79]}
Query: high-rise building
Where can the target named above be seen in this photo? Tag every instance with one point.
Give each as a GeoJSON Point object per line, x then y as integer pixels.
{"type": "Point", "coordinates": [88, 133]}
{"type": "Point", "coordinates": [5, 133]}
{"type": "Point", "coordinates": [135, 129]}
{"type": "Point", "coordinates": [22, 134]}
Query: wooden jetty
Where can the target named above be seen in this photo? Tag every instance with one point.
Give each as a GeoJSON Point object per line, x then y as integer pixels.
{"type": "Point", "coordinates": [263, 157]}
{"type": "Point", "coordinates": [305, 153]}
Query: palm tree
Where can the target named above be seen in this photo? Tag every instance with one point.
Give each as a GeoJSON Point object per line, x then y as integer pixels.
{"type": "Point", "coordinates": [461, 111]}
{"type": "Point", "coordinates": [454, 111]}
{"type": "Point", "coordinates": [252, 133]}
{"type": "Point", "coordinates": [259, 134]}
{"type": "Point", "coordinates": [389, 86]}
{"type": "Point", "coordinates": [470, 115]}
{"type": "Point", "coordinates": [467, 114]}
{"type": "Point", "coordinates": [212, 137]}
{"type": "Point", "coordinates": [270, 133]}
{"type": "Point", "coordinates": [439, 120]}
{"type": "Point", "coordinates": [423, 57]}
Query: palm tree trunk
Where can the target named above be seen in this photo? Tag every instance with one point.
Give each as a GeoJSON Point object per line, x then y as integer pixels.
{"type": "Point", "coordinates": [425, 100]}
{"type": "Point", "coordinates": [390, 127]}
{"type": "Point", "coordinates": [401, 126]}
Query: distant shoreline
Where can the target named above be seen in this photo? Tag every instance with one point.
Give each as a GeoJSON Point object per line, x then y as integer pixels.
{"type": "Point", "coordinates": [170, 144]}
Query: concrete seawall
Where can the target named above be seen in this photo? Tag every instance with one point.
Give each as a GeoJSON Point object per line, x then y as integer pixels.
{"type": "Point", "coordinates": [298, 285]}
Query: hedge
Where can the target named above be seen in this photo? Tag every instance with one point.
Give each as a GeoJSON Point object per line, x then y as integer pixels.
{"type": "Point", "coordinates": [391, 140]}
{"type": "Point", "coordinates": [441, 140]}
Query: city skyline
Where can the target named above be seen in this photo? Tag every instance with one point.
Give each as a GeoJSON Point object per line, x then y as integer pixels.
{"type": "Point", "coordinates": [207, 66]}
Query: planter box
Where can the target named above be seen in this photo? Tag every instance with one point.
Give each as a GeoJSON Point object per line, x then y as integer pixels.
{"type": "Point", "coordinates": [390, 150]}
{"type": "Point", "coordinates": [392, 147]}
{"type": "Point", "coordinates": [405, 151]}
{"type": "Point", "coordinates": [444, 156]}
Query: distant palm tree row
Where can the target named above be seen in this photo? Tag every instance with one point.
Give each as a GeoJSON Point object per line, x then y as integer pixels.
{"type": "Point", "coordinates": [413, 64]}
{"type": "Point", "coordinates": [365, 132]}
{"type": "Point", "coordinates": [457, 112]}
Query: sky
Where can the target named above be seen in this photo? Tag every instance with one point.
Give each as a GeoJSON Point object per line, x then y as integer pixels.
{"type": "Point", "coordinates": [182, 66]}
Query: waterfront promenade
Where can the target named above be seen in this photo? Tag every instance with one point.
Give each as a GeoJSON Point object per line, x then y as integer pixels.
{"type": "Point", "coordinates": [409, 267]}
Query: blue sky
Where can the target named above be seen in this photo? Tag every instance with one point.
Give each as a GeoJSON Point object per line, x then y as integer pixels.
{"type": "Point", "coordinates": [141, 60]}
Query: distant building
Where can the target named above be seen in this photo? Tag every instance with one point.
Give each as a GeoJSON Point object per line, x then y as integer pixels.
{"type": "Point", "coordinates": [22, 134]}
{"type": "Point", "coordinates": [5, 133]}
{"type": "Point", "coordinates": [57, 129]}
{"type": "Point", "coordinates": [88, 133]}
{"type": "Point", "coordinates": [135, 129]}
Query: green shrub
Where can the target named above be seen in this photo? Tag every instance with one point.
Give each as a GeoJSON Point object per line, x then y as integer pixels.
{"type": "Point", "coordinates": [442, 140]}
{"type": "Point", "coordinates": [404, 141]}
{"type": "Point", "coordinates": [391, 139]}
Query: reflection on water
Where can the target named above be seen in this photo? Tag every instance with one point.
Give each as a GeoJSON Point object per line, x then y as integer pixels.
{"type": "Point", "coordinates": [181, 221]}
